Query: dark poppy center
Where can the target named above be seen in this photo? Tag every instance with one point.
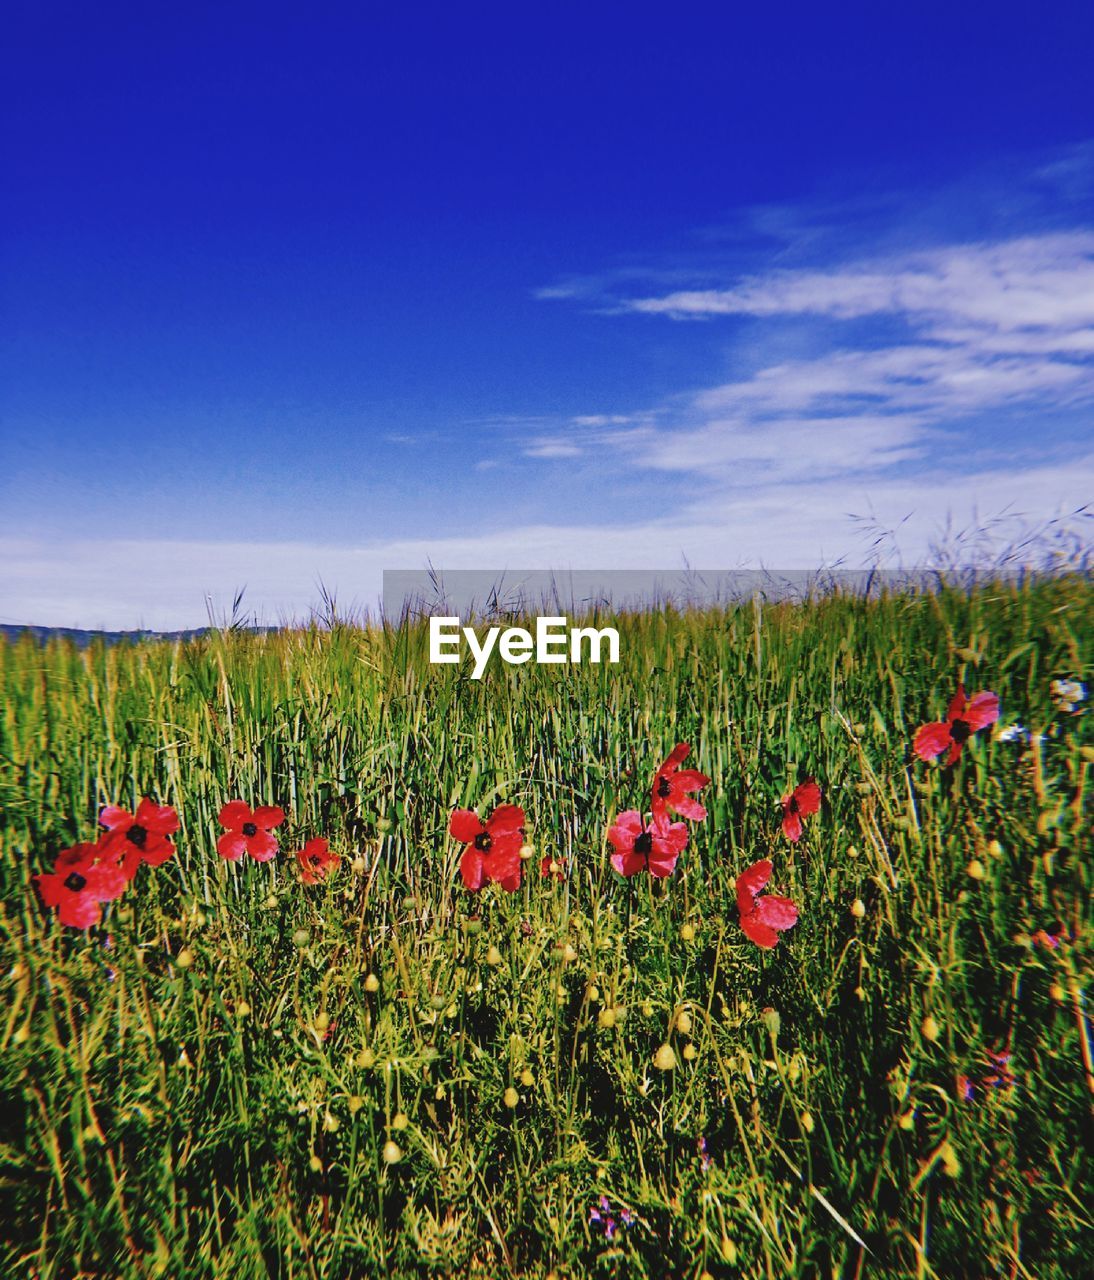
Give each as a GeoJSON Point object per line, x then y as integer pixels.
{"type": "Point", "coordinates": [664, 788]}
{"type": "Point", "coordinates": [959, 731]}
{"type": "Point", "coordinates": [75, 882]}
{"type": "Point", "coordinates": [793, 805]}
{"type": "Point", "coordinates": [483, 841]}
{"type": "Point", "coordinates": [644, 844]}
{"type": "Point", "coordinates": [249, 829]}
{"type": "Point", "coordinates": [314, 859]}
{"type": "Point", "coordinates": [137, 835]}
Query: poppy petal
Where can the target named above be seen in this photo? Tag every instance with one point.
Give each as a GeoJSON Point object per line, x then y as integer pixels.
{"type": "Point", "coordinates": [686, 807]}
{"type": "Point", "coordinates": [464, 825]}
{"type": "Point", "coordinates": [112, 816]}
{"type": "Point", "coordinates": [269, 816]}
{"type": "Point", "coordinates": [506, 820]}
{"type": "Point", "coordinates": [761, 934]}
{"type": "Point", "coordinates": [957, 704]}
{"type": "Point", "coordinates": [79, 911]}
{"type": "Point", "coordinates": [158, 853]}
{"type": "Point", "coordinates": [234, 814]}
{"type": "Point", "coordinates": [628, 863]}
{"type": "Point", "coordinates": [808, 796]}
{"type": "Point", "coordinates": [777, 913]}
{"type": "Point", "coordinates": [690, 780]}
{"type": "Point", "coordinates": [676, 757]}
{"type": "Point", "coordinates": [663, 862]}
{"type": "Point", "coordinates": [982, 710]}
{"type": "Point", "coordinates": [50, 888]}
{"type": "Point", "coordinates": [792, 825]}
{"type": "Point", "coordinates": [750, 882]}
{"type": "Point", "coordinates": [471, 871]}
{"type": "Point", "coordinates": [625, 830]}
{"type": "Point", "coordinates": [160, 819]}
{"type": "Point", "coordinates": [262, 846]}
{"type": "Point", "coordinates": [232, 845]}
{"type": "Point", "coordinates": [954, 753]}
{"type": "Point", "coordinates": [931, 740]}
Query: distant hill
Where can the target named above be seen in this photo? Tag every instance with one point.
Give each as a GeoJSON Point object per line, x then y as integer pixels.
{"type": "Point", "coordinates": [83, 638]}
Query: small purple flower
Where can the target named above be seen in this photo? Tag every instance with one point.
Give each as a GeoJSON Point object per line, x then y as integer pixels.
{"type": "Point", "coordinates": [705, 1160]}
{"type": "Point", "coordinates": [601, 1213]}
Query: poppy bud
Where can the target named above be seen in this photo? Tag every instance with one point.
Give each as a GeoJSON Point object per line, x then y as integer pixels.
{"type": "Point", "coordinates": [392, 1154]}
{"type": "Point", "coordinates": [511, 1097]}
{"type": "Point", "coordinates": [647, 1009]}
{"type": "Point", "coordinates": [355, 1103]}
{"type": "Point", "coordinates": [358, 866]}
{"type": "Point", "coordinates": [383, 824]}
{"type": "Point", "coordinates": [975, 870]}
{"type": "Point", "coordinates": [929, 1028]}
{"type": "Point", "coordinates": [729, 1251]}
{"type": "Point", "coordinates": [315, 1164]}
{"type": "Point", "coordinates": [807, 1121]}
{"type": "Point", "coordinates": [606, 1019]}
{"type": "Point", "coordinates": [527, 853]}
{"type": "Point", "coordinates": [527, 1079]}
{"type": "Point", "coordinates": [322, 1023]}
{"type": "Point", "coordinates": [687, 932]}
{"type": "Point", "coordinates": [852, 851]}
{"type": "Point", "coordinates": [365, 1059]}
{"type": "Point", "coordinates": [690, 1052]}
{"type": "Point", "coordinates": [771, 1021]}
{"type": "Point", "coordinates": [399, 1120]}
{"type": "Point", "coordinates": [437, 1002]}
{"type": "Point", "coordinates": [372, 983]}
{"type": "Point", "coordinates": [664, 1059]}
{"type": "Point", "coordinates": [271, 902]}
{"type": "Point", "coordinates": [950, 1164]}
{"type": "Point", "coordinates": [301, 937]}
{"type": "Point", "coordinates": [907, 1120]}
{"type": "Point", "coordinates": [858, 908]}
{"type": "Point", "coordinates": [569, 953]}
{"type": "Point", "coordinates": [243, 1009]}
{"type": "Point", "coordinates": [683, 1022]}
{"type": "Point", "coordinates": [330, 1122]}
{"type": "Point", "coordinates": [593, 992]}
{"type": "Point", "coordinates": [995, 848]}
{"type": "Point", "coordinates": [493, 955]}
{"type": "Point", "coordinates": [185, 958]}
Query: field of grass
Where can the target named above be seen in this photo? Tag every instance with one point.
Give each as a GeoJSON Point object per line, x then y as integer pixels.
{"type": "Point", "coordinates": [382, 1074]}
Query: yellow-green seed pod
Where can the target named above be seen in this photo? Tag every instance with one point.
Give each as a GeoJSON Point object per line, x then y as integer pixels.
{"type": "Point", "coordinates": [511, 1097]}
{"type": "Point", "coordinates": [664, 1059]}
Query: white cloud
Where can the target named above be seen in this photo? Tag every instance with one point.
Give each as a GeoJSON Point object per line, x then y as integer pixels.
{"type": "Point", "coordinates": [159, 584]}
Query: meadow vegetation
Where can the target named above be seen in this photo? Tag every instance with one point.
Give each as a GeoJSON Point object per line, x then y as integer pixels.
{"type": "Point", "coordinates": [382, 1074]}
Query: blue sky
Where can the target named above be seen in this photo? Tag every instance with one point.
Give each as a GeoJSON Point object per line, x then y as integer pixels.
{"type": "Point", "coordinates": [290, 298]}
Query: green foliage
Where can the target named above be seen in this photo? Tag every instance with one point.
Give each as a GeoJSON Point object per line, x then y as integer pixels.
{"type": "Point", "coordinates": [230, 1116]}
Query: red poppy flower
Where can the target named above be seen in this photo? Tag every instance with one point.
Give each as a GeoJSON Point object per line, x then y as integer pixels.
{"type": "Point", "coordinates": [493, 847]}
{"type": "Point", "coordinates": [553, 866]}
{"type": "Point", "coordinates": [670, 788]}
{"type": "Point", "coordinates": [640, 848]}
{"type": "Point", "coordinates": [141, 837]}
{"type": "Point", "coordinates": [763, 919]}
{"type": "Point", "coordinates": [82, 877]}
{"type": "Point", "coordinates": [964, 717]}
{"type": "Point", "coordinates": [316, 860]}
{"type": "Point", "coordinates": [249, 832]}
{"type": "Point", "coordinates": [803, 800]}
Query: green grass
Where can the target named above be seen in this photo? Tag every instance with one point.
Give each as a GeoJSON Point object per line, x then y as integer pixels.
{"type": "Point", "coordinates": [153, 1126]}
